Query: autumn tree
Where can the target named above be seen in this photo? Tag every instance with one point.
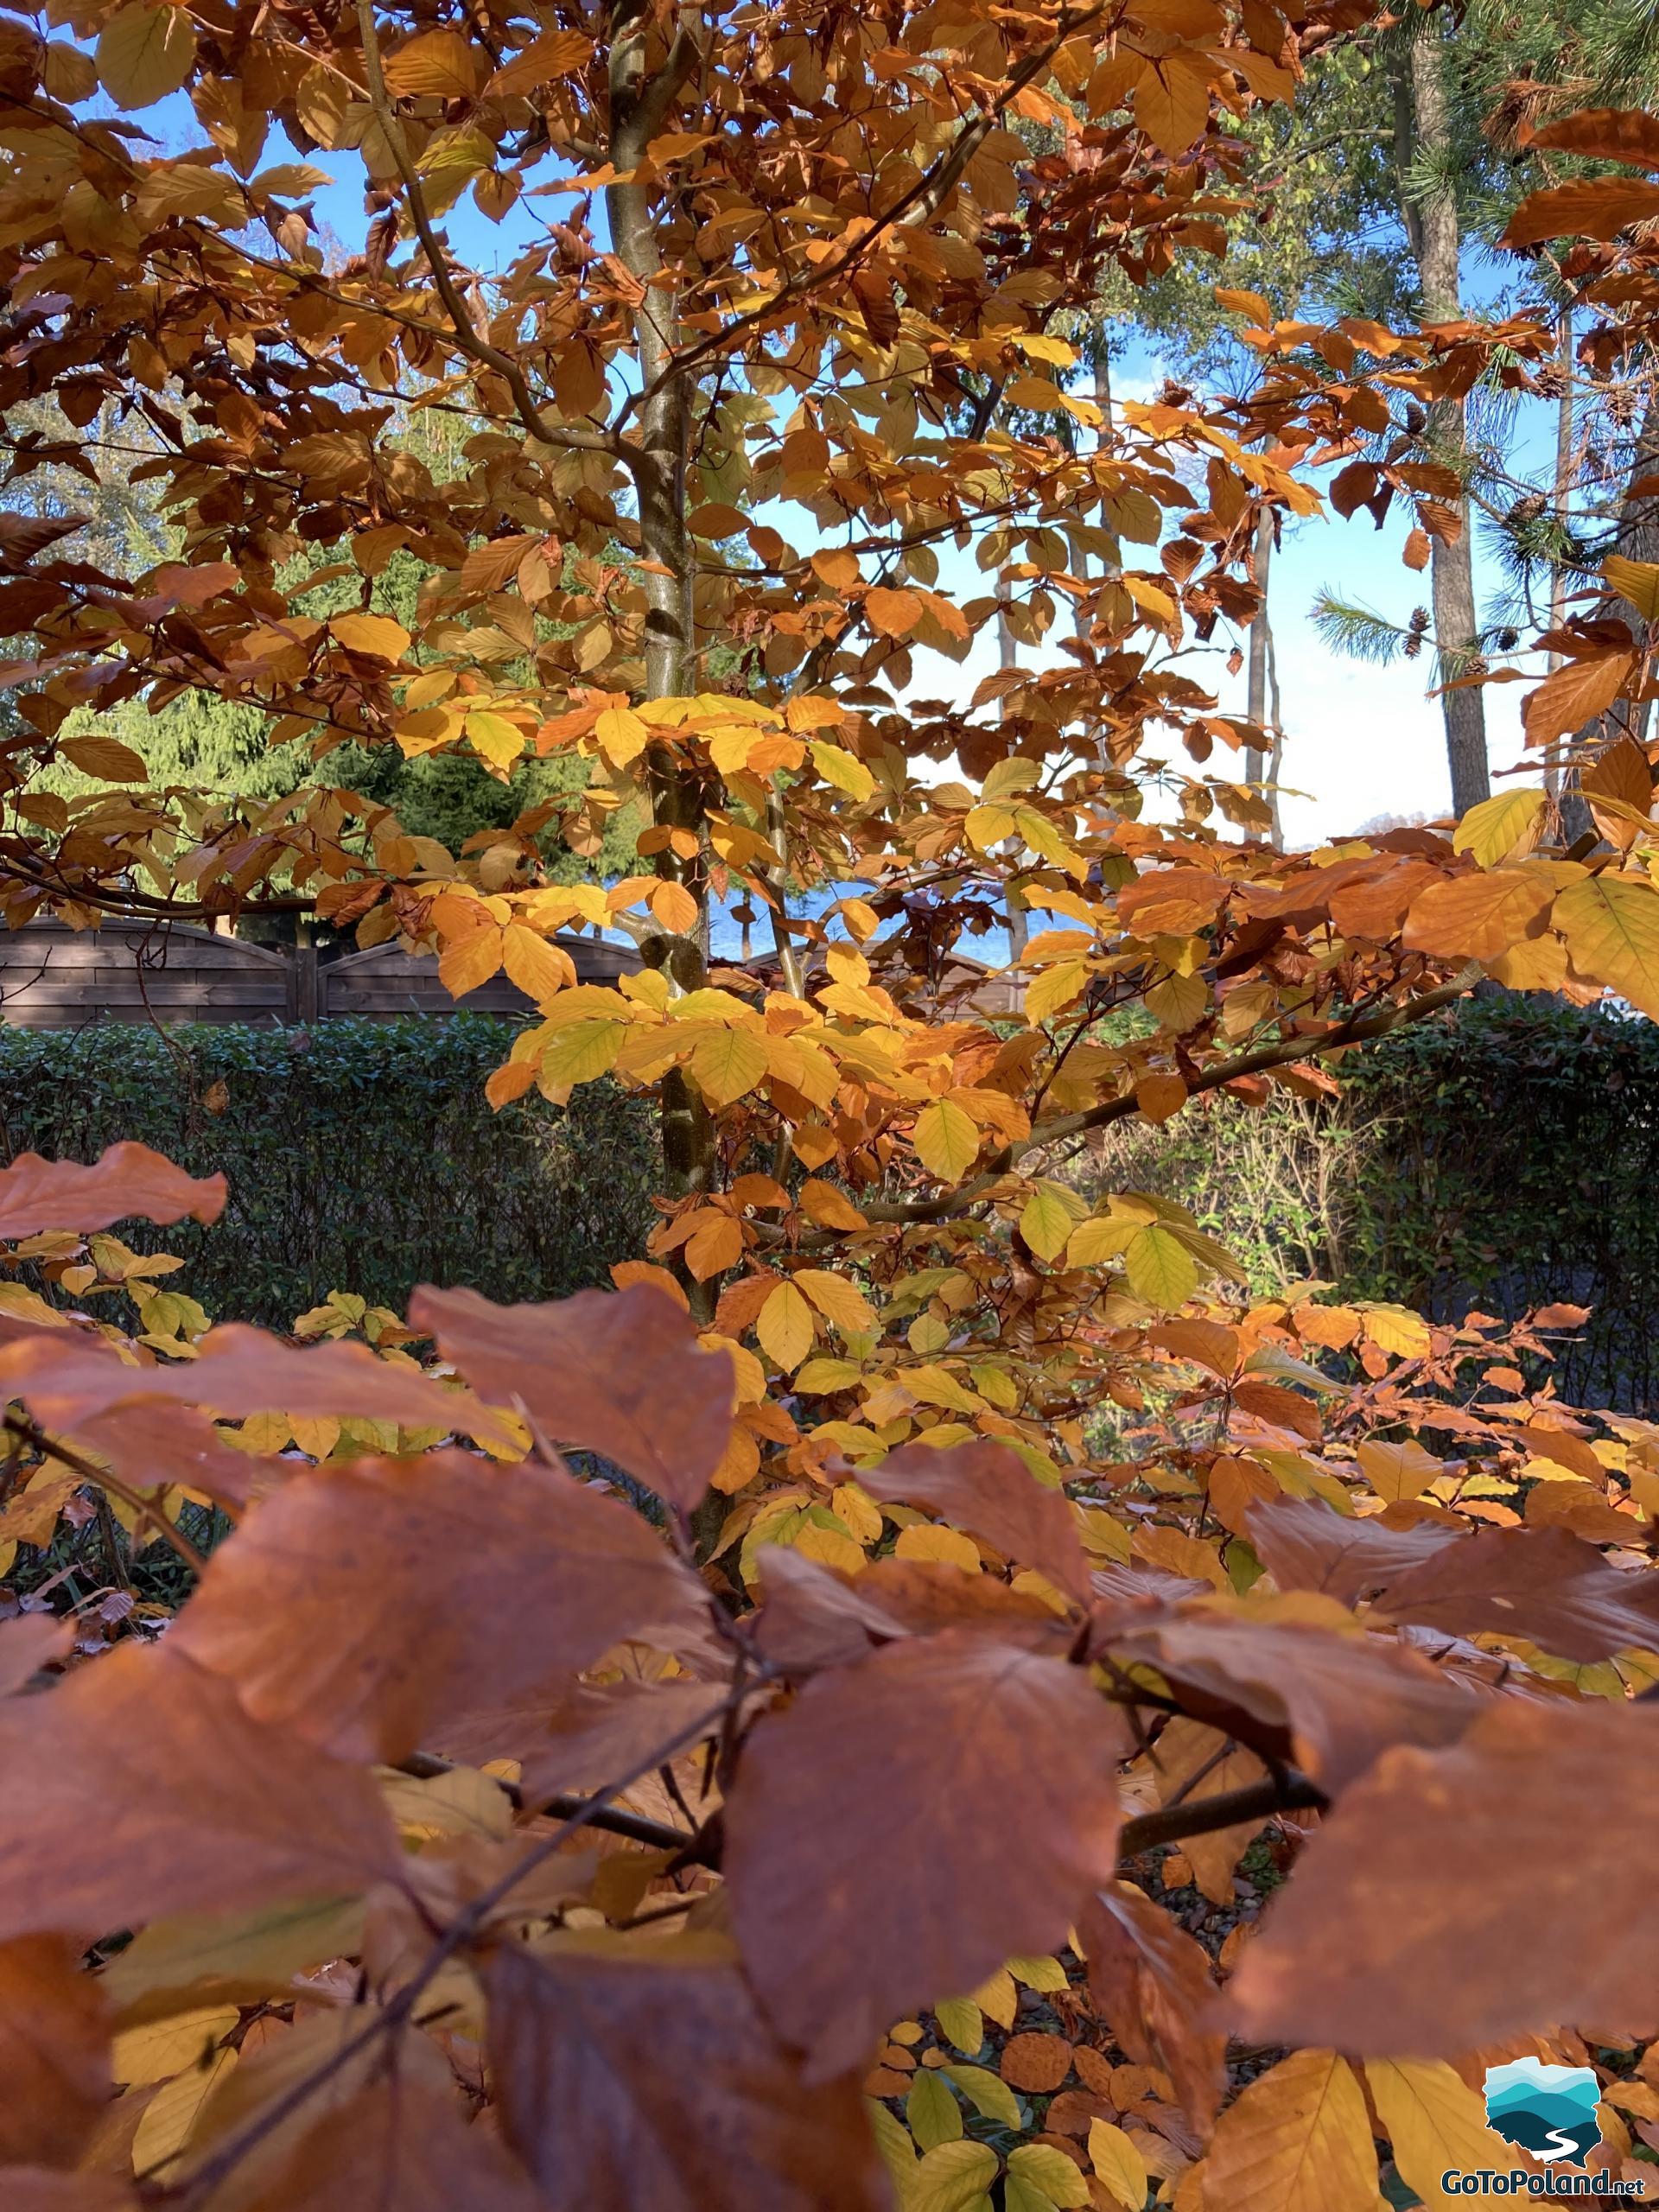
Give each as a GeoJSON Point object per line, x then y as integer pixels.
{"type": "Point", "coordinates": [803, 1806]}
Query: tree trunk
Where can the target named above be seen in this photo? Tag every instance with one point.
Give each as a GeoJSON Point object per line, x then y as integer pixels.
{"type": "Point", "coordinates": [639, 107]}
{"type": "Point", "coordinates": [1013, 905]}
{"type": "Point", "coordinates": [1262, 712]}
{"type": "Point", "coordinates": [1560, 506]}
{"type": "Point", "coordinates": [1424, 124]}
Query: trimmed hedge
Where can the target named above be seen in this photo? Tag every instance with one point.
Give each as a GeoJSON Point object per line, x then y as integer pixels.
{"type": "Point", "coordinates": [1504, 1157]}
{"type": "Point", "coordinates": [362, 1156]}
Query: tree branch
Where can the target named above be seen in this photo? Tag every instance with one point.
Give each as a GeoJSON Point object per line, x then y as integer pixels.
{"type": "Point", "coordinates": [1256, 1801]}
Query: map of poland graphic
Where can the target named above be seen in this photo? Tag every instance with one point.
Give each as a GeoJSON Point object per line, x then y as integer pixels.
{"type": "Point", "coordinates": [1548, 2110]}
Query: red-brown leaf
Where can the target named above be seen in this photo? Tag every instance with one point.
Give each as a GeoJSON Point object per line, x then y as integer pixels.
{"type": "Point", "coordinates": [815, 1617]}
{"type": "Point", "coordinates": [1344, 1698]}
{"type": "Point", "coordinates": [67, 1380]}
{"type": "Point", "coordinates": [27, 1643]}
{"type": "Point", "coordinates": [1604, 134]}
{"type": "Point", "coordinates": [55, 2052]}
{"type": "Point", "coordinates": [127, 1181]}
{"type": "Point", "coordinates": [988, 1489]}
{"type": "Point", "coordinates": [1152, 1982]}
{"type": "Point", "coordinates": [1588, 207]}
{"type": "Point", "coordinates": [639, 2083]}
{"type": "Point", "coordinates": [400, 2148]}
{"type": "Point", "coordinates": [1443, 1906]}
{"type": "Point", "coordinates": [620, 1373]}
{"type": "Point", "coordinates": [140, 1786]}
{"type": "Point", "coordinates": [367, 1605]}
{"type": "Point", "coordinates": [584, 1740]}
{"type": "Point", "coordinates": [910, 1822]}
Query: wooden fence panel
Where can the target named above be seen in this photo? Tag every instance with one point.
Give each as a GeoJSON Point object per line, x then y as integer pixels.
{"type": "Point", "coordinates": [52, 978]}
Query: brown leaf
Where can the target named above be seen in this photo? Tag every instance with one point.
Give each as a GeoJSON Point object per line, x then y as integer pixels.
{"type": "Point", "coordinates": [815, 1617]}
{"type": "Point", "coordinates": [1344, 1698]}
{"type": "Point", "coordinates": [619, 1373]}
{"type": "Point", "coordinates": [643, 2079]}
{"type": "Point", "coordinates": [593, 1733]}
{"type": "Point", "coordinates": [55, 2052]}
{"type": "Point", "coordinates": [1543, 1583]}
{"type": "Point", "coordinates": [1588, 207]}
{"type": "Point", "coordinates": [1036, 2063]}
{"type": "Point", "coordinates": [1299, 2140]}
{"type": "Point", "coordinates": [68, 1380]}
{"type": "Point", "coordinates": [987, 1489]}
{"type": "Point", "coordinates": [1152, 1982]}
{"type": "Point", "coordinates": [126, 1181]}
{"type": "Point", "coordinates": [399, 2148]}
{"type": "Point", "coordinates": [151, 1446]}
{"type": "Point", "coordinates": [41, 2189]}
{"type": "Point", "coordinates": [1604, 134]}
{"type": "Point", "coordinates": [867, 1870]}
{"type": "Point", "coordinates": [140, 1786]}
{"type": "Point", "coordinates": [1479, 916]}
{"type": "Point", "coordinates": [1579, 692]}
{"type": "Point", "coordinates": [27, 1643]}
{"type": "Point", "coordinates": [368, 1605]}
{"type": "Point", "coordinates": [1440, 1907]}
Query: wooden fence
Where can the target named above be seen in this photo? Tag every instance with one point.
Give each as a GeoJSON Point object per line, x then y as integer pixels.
{"type": "Point", "coordinates": [52, 977]}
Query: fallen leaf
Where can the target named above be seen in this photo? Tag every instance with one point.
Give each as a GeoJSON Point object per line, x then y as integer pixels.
{"type": "Point", "coordinates": [1298, 2139]}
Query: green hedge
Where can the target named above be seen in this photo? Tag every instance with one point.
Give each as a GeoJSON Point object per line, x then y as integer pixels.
{"type": "Point", "coordinates": [362, 1156]}
{"type": "Point", "coordinates": [1504, 1157]}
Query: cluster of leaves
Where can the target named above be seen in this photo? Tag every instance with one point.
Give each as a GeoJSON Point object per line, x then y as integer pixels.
{"type": "Point", "coordinates": [410, 1695]}
{"type": "Point", "coordinates": [484, 1835]}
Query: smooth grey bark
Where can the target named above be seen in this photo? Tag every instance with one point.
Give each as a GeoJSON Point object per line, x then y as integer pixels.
{"type": "Point", "coordinates": [1261, 696]}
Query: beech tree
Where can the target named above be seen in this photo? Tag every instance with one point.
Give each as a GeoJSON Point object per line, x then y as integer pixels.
{"type": "Point", "coordinates": [473, 1834]}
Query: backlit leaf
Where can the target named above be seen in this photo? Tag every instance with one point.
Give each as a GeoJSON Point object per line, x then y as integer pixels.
{"type": "Point", "coordinates": [946, 1141]}
{"type": "Point", "coordinates": [145, 54]}
{"type": "Point", "coordinates": [785, 1327]}
{"type": "Point", "coordinates": [1298, 2139]}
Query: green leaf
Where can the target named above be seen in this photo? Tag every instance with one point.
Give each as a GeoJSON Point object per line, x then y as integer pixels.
{"type": "Point", "coordinates": [963, 2023]}
{"type": "Point", "coordinates": [931, 2112]}
{"type": "Point", "coordinates": [1046, 1222]}
{"type": "Point", "coordinates": [1612, 926]}
{"type": "Point", "coordinates": [1160, 1269]}
{"type": "Point", "coordinates": [989, 2094]}
{"type": "Point", "coordinates": [952, 2178]}
{"type": "Point", "coordinates": [1050, 2171]}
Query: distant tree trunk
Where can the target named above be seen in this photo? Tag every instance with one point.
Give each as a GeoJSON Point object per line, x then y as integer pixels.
{"type": "Point", "coordinates": [1424, 125]}
{"type": "Point", "coordinates": [1013, 905]}
{"type": "Point", "coordinates": [1637, 539]}
{"type": "Point", "coordinates": [1262, 710]}
{"type": "Point", "coordinates": [1561, 503]}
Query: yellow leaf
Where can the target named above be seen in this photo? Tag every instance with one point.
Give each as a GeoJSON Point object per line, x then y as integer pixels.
{"type": "Point", "coordinates": [1118, 2164]}
{"type": "Point", "coordinates": [838, 767]}
{"type": "Point", "coordinates": [785, 1327]}
{"type": "Point", "coordinates": [952, 2177]}
{"type": "Point", "coordinates": [1612, 926]}
{"type": "Point", "coordinates": [1398, 1471]}
{"type": "Point", "coordinates": [1044, 2175]}
{"type": "Point", "coordinates": [674, 906]}
{"type": "Point", "coordinates": [1436, 2123]}
{"type": "Point", "coordinates": [946, 1141]}
{"type": "Point", "coordinates": [727, 1063]}
{"type": "Point", "coordinates": [1159, 1267]}
{"type": "Point", "coordinates": [1179, 1001]}
{"type": "Point", "coordinates": [960, 2019]}
{"type": "Point", "coordinates": [1046, 1222]}
{"type": "Point", "coordinates": [171, 2116]}
{"type": "Point", "coordinates": [540, 969]}
{"type": "Point", "coordinates": [1055, 987]}
{"type": "Point", "coordinates": [1298, 2139]}
{"type": "Point", "coordinates": [498, 741]}
{"type": "Point", "coordinates": [1635, 581]}
{"type": "Point", "coordinates": [145, 54]}
{"type": "Point", "coordinates": [1104, 1238]}
{"type": "Point", "coordinates": [923, 1540]}
{"type": "Point", "coordinates": [837, 1299]}
{"type": "Point", "coordinates": [582, 1051]}
{"type": "Point", "coordinates": [375, 636]}
{"type": "Point", "coordinates": [437, 65]}
{"type": "Point", "coordinates": [819, 1376]}
{"type": "Point", "coordinates": [622, 735]}
{"type": "Point", "coordinates": [1398, 1330]}
{"type": "Point", "coordinates": [467, 962]}
{"type": "Point", "coordinates": [1502, 828]}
